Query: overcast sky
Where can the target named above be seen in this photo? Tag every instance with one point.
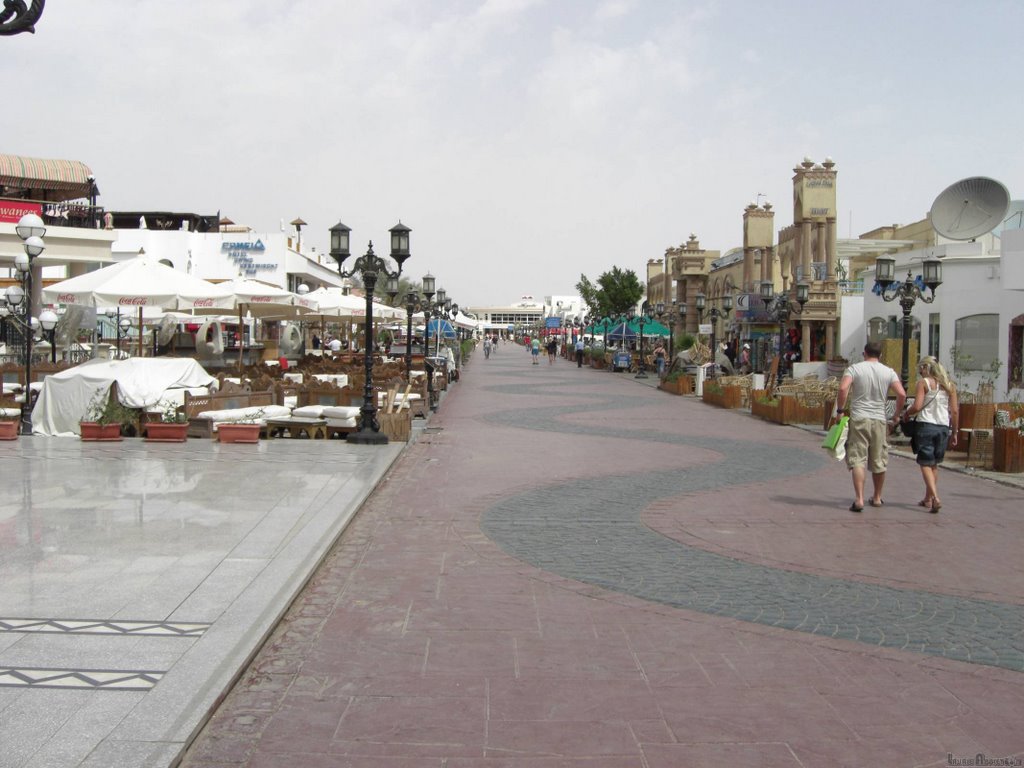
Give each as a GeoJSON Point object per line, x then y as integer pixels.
{"type": "Point", "coordinates": [524, 141]}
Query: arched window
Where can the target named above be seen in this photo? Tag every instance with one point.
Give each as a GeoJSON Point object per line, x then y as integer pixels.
{"type": "Point", "coordinates": [878, 329]}
{"type": "Point", "coordinates": [976, 344]}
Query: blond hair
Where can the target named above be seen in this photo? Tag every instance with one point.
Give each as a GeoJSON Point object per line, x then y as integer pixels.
{"type": "Point", "coordinates": [929, 366]}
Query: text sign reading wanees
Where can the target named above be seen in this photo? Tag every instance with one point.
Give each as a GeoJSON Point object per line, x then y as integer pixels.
{"type": "Point", "coordinates": [12, 210]}
{"type": "Point", "coordinates": [240, 254]}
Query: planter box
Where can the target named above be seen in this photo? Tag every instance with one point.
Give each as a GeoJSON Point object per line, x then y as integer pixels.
{"type": "Point", "coordinates": [238, 433]}
{"type": "Point", "coordinates": [9, 430]}
{"type": "Point", "coordinates": [728, 397]}
{"type": "Point", "coordinates": [1007, 450]}
{"type": "Point", "coordinates": [974, 416]}
{"type": "Point", "coordinates": [397, 426]}
{"type": "Point", "coordinates": [681, 386]}
{"type": "Point", "coordinates": [773, 410]}
{"type": "Point", "coordinates": [166, 432]}
{"type": "Point", "coordinates": [100, 433]}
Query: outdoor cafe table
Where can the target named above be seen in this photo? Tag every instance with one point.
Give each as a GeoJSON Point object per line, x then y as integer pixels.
{"type": "Point", "coordinates": [338, 379]}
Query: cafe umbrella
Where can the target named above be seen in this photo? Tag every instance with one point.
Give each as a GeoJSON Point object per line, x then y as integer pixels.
{"type": "Point", "coordinates": [135, 284]}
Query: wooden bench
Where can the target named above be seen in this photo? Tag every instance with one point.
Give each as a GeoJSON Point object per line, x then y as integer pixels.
{"type": "Point", "coordinates": [219, 401]}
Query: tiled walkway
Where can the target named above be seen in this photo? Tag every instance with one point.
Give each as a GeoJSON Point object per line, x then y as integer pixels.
{"type": "Point", "coordinates": [569, 569]}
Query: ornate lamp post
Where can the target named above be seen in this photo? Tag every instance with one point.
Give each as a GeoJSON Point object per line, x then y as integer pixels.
{"type": "Point", "coordinates": [428, 367]}
{"type": "Point", "coordinates": [370, 267]}
{"type": "Point", "coordinates": [48, 320]}
{"type": "Point", "coordinates": [30, 229]}
{"type": "Point", "coordinates": [16, 17]}
{"type": "Point", "coordinates": [412, 301]}
{"type": "Point", "coordinates": [715, 314]}
{"type": "Point", "coordinates": [908, 292]}
{"type": "Point", "coordinates": [670, 316]}
{"type": "Point", "coordinates": [646, 314]}
{"type": "Point", "coordinates": [779, 307]}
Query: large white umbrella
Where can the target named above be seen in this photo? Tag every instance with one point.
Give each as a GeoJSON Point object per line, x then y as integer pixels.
{"type": "Point", "coordinates": [256, 299]}
{"type": "Point", "coordinates": [138, 283]}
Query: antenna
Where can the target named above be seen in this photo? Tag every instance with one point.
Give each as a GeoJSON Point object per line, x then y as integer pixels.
{"type": "Point", "coordinates": [970, 208]}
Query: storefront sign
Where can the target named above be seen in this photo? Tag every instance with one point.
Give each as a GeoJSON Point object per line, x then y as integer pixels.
{"type": "Point", "coordinates": [240, 254]}
{"type": "Point", "coordinates": [12, 210]}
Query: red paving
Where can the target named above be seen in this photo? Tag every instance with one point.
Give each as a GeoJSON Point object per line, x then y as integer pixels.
{"type": "Point", "coordinates": [420, 643]}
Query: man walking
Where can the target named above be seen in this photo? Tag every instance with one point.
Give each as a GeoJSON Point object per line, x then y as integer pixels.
{"type": "Point", "coordinates": [579, 352]}
{"type": "Point", "coordinates": [865, 386]}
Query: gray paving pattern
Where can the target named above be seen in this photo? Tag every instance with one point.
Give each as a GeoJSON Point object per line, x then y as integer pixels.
{"type": "Point", "coordinates": [593, 533]}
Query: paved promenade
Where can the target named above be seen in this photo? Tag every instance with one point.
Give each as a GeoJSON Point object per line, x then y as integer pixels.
{"type": "Point", "coordinates": [571, 569]}
{"type": "Point", "coordinates": [139, 578]}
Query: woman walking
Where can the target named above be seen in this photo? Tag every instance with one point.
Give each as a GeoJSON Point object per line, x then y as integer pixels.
{"type": "Point", "coordinates": [937, 412]}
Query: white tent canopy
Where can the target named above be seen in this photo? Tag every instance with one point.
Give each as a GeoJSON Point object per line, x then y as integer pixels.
{"type": "Point", "coordinates": [141, 383]}
{"type": "Point", "coordinates": [333, 303]}
{"type": "Point", "coordinates": [139, 282]}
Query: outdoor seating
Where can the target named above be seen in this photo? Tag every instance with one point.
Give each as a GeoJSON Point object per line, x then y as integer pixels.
{"type": "Point", "coordinates": [205, 412]}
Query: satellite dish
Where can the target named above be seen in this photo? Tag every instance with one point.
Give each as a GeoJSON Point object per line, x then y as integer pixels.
{"type": "Point", "coordinates": [970, 208]}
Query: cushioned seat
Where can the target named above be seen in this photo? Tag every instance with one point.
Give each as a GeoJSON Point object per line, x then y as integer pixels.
{"type": "Point", "coordinates": [255, 413]}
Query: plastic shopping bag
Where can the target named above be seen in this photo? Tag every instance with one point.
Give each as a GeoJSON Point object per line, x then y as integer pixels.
{"type": "Point", "coordinates": [835, 440]}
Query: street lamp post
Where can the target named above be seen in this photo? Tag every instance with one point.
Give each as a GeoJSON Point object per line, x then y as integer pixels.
{"type": "Point", "coordinates": [428, 285]}
{"type": "Point", "coordinates": [670, 316]}
{"type": "Point", "coordinates": [715, 314]}
{"type": "Point", "coordinates": [31, 230]}
{"type": "Point", "coordinates": [908, 292]}
{"type": "Point", "coordinates": [411, 301]}
{"type": "Point", "coordinates": [48, 320]}
{"type": "Point", "coordinates": [17, 17]}
{"type": "Point", "coordinates": [370, 267]}
{"type": "Point", "coordinates": [779, 307]}
{"type": "Point", "coordinates": [646, 314]}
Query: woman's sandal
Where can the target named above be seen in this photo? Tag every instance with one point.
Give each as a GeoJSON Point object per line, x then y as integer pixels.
{"type": "Point", "coordinates": [926, 503]}
{"type": "Point", "coordinates": [936, 506]}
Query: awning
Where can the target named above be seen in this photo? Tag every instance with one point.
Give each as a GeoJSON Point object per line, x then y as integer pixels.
{"type": "Point", "coordinates": [69, 177]}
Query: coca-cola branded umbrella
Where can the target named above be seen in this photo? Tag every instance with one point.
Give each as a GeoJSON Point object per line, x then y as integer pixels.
{"type": "Point", "coordinates": [262, 300]}
{"type": "Point", "coordinates": [137, 283]}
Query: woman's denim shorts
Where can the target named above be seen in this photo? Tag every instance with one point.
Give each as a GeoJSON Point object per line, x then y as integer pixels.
{"type": "Point", "coordinates": [930, 443]}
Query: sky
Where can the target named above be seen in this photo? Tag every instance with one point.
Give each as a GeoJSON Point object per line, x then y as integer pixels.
{"type": "Point", "coordinates": [525, 142]}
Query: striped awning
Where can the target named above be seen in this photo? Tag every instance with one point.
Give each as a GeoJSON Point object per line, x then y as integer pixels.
{"type": "Point", "coordinates": [33, 173]}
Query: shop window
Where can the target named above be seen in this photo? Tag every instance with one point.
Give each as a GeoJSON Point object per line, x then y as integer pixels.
{"type": "Point", "coordinates": [1015, 374]}
{"type": "Point", "coordinates": [976, 342]}
{"type": "Point", "coordinates": [934, 343]}
{"type": "Point", "coordinates": [878, 329]}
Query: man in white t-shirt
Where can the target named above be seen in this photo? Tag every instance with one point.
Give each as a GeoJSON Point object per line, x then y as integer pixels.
{"type": "Point", "coordinates": [865, 386]}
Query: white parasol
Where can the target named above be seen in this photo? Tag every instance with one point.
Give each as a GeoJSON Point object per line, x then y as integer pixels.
{"type": "Point", "coordinates": [138, 283]}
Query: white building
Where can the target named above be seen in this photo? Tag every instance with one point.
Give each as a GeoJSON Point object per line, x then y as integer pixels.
{"type": "Point", "coordinates": [978, 310]}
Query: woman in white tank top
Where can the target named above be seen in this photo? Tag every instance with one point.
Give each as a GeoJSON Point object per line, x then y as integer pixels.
{"type": "Point", "coordinates": [937, 413]}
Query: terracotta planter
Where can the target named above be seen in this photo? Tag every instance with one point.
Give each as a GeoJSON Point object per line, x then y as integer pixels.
{"type": "Point", "coordinates": [1007, 450]}
{"type": "Point", "coordinates": [93, 432]}
{"type": "Point", "coordinates": [9, 430]}
{"type": "Point", "coordinates": [681, 386]}
{"type": "Point", "coordinates": [727, 397]}
{"type": "Point", "coordinates": [166, 432]}
{"type": "Point", "coordinates": [974, 416]}
{"type": "Point", "coordinates": [238, 433]}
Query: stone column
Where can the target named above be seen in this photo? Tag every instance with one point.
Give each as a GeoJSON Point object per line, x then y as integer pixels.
{"type": "Point", "coordinates": [805, 248]}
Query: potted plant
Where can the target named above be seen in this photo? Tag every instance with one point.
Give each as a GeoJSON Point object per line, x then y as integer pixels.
{"type": "Point", "coordinates": [243, 430]}
{"type": "Point", "coordinates": [1008, 443]}
{"type": "Point", "coordinates": [676, 382]}
{"type": "Point", "coordinates": [172, 427]}
{"type": "Point", "coordinates": [10, 422]}
{"type": "Point", "coordinates": [105, 416]}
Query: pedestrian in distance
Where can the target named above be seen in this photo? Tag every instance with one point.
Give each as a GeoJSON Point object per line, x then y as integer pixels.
{"type": "Point", "coordinates": [552, 350]}
{"type": "Point", "coordinates": [659, 359]}
{"type": "Point", "coordinates": [487, 347]}
{"type": "Point", "coordinates": [937, 412]}
{"type": "Point", "coordinates": [865, 386]}
{"type": "Point", "coordinates": [579, 352]}
{"type": "Point", "coordinates": [744, 360]}
{"type": "Point", "coordinates": [534, 348]}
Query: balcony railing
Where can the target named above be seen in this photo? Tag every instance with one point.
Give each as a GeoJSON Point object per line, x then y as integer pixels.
{"type": "Point", "coordinates": [72, 213]}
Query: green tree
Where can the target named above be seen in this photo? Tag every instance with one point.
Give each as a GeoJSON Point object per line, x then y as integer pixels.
{"type": "Point", "coordinates": [616, 292]}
